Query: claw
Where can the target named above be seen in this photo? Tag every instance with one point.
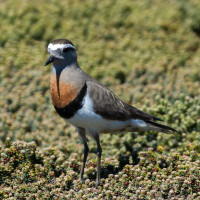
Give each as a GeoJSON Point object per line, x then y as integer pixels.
{"type": "Point", "coordinates": [82, 180]}
{"type": "Point", "coordinates": [97, 183]}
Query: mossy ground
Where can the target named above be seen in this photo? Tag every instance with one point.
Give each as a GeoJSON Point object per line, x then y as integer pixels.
{"type": "Point", "coordinates": [147, 52]}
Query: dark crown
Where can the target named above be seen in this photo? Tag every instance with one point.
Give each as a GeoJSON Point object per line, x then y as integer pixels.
{"type": "Point", "coordinates": [62, 41]}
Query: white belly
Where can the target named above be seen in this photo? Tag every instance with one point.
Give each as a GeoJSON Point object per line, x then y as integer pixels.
{"type": "Point", "coordinates": [92, 122]}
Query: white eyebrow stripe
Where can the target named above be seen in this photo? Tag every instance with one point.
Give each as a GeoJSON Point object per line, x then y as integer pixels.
{"type": "Point", "coordinates": [59, 46]}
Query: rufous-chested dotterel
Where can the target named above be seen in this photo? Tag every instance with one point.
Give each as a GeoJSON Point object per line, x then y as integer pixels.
{"type": "Point", "coordinates": [88, 105]}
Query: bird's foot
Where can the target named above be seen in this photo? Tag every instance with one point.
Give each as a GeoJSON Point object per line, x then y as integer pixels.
{"type": "Point", "coordinates": [97, 183]}
{"type": "Point", "coordinates": [82, 180]}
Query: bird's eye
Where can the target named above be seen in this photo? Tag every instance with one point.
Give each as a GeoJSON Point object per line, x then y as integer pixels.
{"type": "Point", "coordinates": [65, 49]}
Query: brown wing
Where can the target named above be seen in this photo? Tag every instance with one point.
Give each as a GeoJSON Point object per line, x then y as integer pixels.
{"type": "Point", "coordinates": [108, 105]}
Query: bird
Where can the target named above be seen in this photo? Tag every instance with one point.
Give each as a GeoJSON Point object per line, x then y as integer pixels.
{"type": "Point", "coordinates": [88, 105]}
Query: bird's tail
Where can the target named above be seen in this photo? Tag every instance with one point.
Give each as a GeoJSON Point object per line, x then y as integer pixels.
{"type": "Point", "coordinates": [159, 127]}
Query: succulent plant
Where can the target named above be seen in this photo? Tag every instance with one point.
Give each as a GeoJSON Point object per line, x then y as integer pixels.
{"type": "Point", "coordinates": [148, 54]}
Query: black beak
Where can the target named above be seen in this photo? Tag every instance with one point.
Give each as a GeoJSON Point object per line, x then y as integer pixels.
{"type": "Point", "coordinates": [50, 60]}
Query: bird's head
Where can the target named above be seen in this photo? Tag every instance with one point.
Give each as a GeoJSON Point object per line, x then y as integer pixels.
{"type": "Point", "coordinates": [62, 52]}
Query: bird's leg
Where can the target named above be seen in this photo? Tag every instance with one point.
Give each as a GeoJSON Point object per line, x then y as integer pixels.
{"type": "Point", "coordinates": [81, 132]}
{"type": "Point", "coordinates": [86, 151]}
{"type": "Point", "coordinates": [99, 151]}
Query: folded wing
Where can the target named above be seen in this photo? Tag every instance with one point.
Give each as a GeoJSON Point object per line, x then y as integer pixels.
{"type": "Point", "coordinates": [108, 105]}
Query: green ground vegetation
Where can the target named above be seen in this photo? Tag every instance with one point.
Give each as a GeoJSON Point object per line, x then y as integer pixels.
{"type": "Point", "coordinates": [147, 52]}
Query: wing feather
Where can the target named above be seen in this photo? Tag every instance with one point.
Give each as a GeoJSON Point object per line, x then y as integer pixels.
{"type": "Point", "coordinates": [108, 105]}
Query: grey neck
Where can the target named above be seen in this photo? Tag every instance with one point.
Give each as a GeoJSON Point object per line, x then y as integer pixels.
{"type": "Point", "coordinates": [58, 67]}
{"type": "Point", "coordinates": [63, 64]}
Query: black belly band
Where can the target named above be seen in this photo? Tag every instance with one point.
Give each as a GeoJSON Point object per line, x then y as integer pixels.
{"type": "Point", "coordinates": [70, 110]}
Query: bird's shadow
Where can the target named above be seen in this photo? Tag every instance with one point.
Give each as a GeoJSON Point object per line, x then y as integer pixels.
{"type": "Point", "coordinates": [111, 169]}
